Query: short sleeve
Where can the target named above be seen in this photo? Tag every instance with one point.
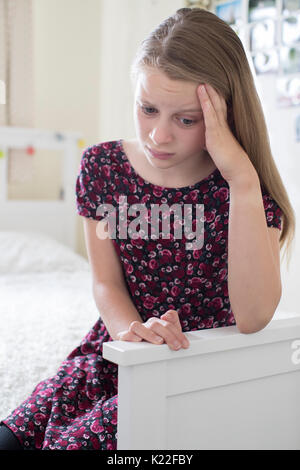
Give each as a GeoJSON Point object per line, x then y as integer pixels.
{"type": "Point", "coordinates": [272, 211]}
{"type": "Point", "coordinates": [91, 185]}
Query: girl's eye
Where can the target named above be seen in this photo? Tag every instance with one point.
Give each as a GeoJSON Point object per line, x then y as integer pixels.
{"type": "Point", "coordinates": [146, 109]}
{"type": "Point", "coordinates": [186, 123]}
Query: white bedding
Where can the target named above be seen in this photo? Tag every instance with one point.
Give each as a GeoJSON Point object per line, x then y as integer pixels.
{"type": "Point", "coordinates": [46, 308]}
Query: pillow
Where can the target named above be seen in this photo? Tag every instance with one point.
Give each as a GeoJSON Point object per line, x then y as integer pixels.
{"type": "Point", "coordinates": [23, 252]}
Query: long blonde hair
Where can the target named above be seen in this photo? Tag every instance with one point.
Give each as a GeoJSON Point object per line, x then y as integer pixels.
{"type": "Point", "coordinates": [197, 46]}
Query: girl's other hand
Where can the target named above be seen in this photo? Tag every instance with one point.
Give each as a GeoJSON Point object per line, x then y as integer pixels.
{"type": "Point", "coordinates": [155, 330]}
{"type": "Point", "coordinates": [227, 153]}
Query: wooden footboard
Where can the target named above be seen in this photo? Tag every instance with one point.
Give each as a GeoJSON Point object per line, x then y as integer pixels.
{"type": "Point", "coordinates": [227, 391]}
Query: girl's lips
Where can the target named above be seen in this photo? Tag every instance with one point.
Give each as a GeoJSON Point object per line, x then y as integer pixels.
{"type": "Point", "coordinates": [162, 156]}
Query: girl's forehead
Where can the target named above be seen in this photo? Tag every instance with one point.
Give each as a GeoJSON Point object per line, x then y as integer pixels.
{"type": "Point", "coordinates": [158, 85]}
{"type": "Point", "coordinates": [155, 78]}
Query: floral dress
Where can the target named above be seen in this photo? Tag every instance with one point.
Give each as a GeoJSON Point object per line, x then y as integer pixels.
{"type": "Point", "coordinates": [77, 408]}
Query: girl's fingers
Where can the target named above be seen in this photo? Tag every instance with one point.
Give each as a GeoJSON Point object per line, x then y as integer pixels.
{"type": "Point", "coordinates": [209, 113]}
{"type": "Point", "coordinates": [145, 333]}
{"type": "Point", "coordinates": [214, 97]}
{"type": "Point", "coordinates": [128, 336]}
{"type": "Point", "coordinates": [171, 333]}
{"type": "Point", "coordinates": [158, 331]}
{"type": "Point", "coordinates": [136, 338]}
{"type": "Point", "coordinates": [171, 315]}
{"type": "Point", "coordinates": [218, 103]}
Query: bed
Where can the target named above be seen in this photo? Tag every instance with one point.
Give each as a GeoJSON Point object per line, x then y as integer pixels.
{"type": "Point", "coordinates": [46, 308]}
{"type": "Point", "coordinates": [46, 302]}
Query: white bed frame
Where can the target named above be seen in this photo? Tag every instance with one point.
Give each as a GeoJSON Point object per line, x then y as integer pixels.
{"type": "Point", "coordinates": [227, 391]}
{"type": "Point", "coordinates": [56, 219]}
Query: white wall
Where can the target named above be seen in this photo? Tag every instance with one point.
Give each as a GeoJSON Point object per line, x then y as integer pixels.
{"type": "Point", "coordinates": [67, 75]}
{"type": "Point", "coordinates": [67, 64]}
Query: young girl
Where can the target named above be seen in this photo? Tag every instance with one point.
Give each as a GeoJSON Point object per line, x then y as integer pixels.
{"type": "Point", "coordinates": [201, 138]}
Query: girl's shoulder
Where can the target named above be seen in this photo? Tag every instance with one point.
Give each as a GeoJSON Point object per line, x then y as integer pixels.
{"type": "Point", "coordinates": [105, 149]}
{"type": "Point", "coordinates": [98, 177]}
{"type": "Point", "coordinates": [102, 159]}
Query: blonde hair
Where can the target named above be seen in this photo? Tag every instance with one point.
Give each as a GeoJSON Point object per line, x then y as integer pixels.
{"type": "Point", "coordinates": [197, 46]}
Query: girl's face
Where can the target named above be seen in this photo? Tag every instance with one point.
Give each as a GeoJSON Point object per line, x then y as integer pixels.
{"type": "Point", "coordinates": [168, 119]}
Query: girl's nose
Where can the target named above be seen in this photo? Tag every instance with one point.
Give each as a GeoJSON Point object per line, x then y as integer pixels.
{"type": "Point", "coordinates": [160, 135]}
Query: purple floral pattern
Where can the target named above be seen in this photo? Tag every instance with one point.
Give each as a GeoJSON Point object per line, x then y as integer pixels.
{"type": "Point", "coordinates": [77, 408]}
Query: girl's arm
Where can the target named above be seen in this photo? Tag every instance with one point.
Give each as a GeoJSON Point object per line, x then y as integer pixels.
{"type": "Point", "coordinates": [113, 301]}
{"type": "Point", "coordinates": [116, 308]}
{"type": "Point", "coordinates": [110, 293]}
{"type": "Point", "coordinates": [254, 282]}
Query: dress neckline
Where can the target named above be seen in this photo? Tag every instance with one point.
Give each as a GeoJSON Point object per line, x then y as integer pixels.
{"type": "Point", "coordinates": [166, 188]}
